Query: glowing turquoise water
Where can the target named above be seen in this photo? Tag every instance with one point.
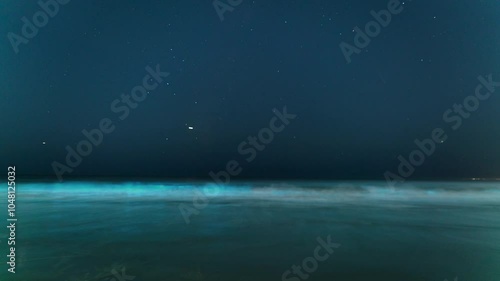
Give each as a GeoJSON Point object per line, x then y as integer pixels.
{"type": "Point", "coordinates": [255, 231]}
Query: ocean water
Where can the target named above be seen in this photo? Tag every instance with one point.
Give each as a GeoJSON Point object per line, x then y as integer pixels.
{"type": "Point", "coordinates": [118, 231]}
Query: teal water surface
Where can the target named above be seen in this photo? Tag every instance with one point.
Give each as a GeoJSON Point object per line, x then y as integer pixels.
{"type": "Point", "coordinates": [254, 231]}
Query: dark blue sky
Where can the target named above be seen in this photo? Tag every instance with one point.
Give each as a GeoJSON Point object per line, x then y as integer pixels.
{"type": "Point", "coordinates": [226, 77]}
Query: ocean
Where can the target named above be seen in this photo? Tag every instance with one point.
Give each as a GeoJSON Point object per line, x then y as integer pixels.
{"type": "Point", "coordinates": [290, 231]}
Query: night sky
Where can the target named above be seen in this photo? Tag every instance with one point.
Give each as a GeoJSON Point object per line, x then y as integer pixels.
{"type": "Point", "coordinates": [227, 78]}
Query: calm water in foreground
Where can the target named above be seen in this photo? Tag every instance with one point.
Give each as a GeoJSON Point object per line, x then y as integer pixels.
{"type": "Point", "coordinates": [254, 231]}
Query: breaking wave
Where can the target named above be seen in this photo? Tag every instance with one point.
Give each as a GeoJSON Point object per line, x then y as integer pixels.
{"type": "Point", "coordinates": [293, 192]}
